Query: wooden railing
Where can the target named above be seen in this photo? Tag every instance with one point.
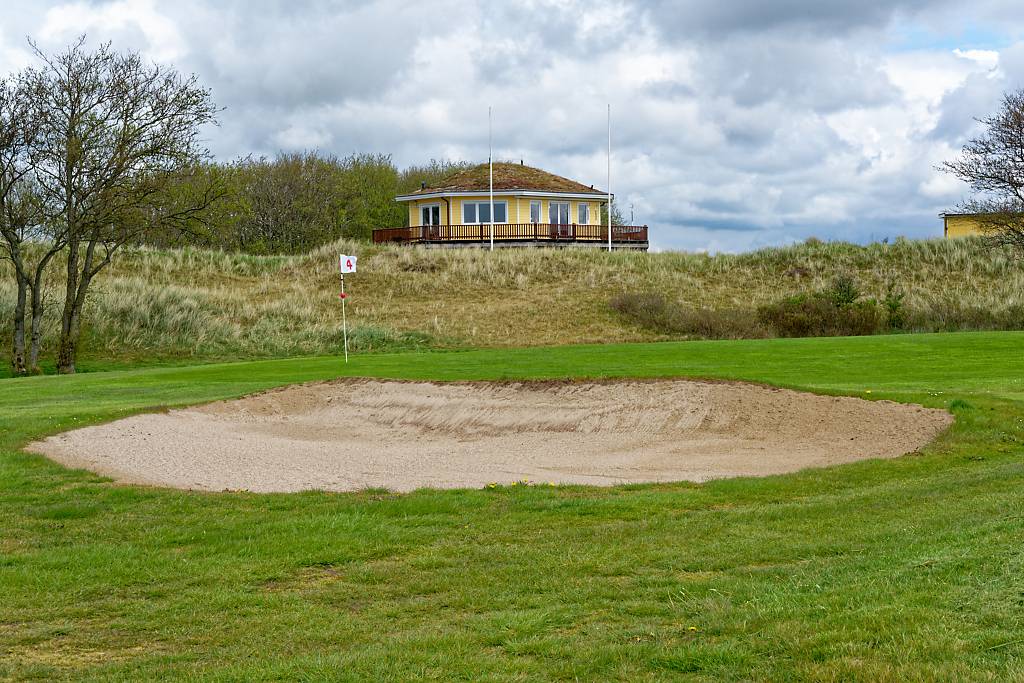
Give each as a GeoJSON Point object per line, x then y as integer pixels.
{"type": "Point", "coordinates": [524, 232]}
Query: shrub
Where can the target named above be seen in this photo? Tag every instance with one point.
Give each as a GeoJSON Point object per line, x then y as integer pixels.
{"type": "Point", "coordinates": [955, 316]}
{"type": "Point", "coordinates": [654, 312]}
{"type": "Point", "coordinates": [893, 304]}
{"type": "Point", "coordinates": [648, 310]}
{"type": "Point", "coordinates": [831, 312]}
{"type": "Point", "coordinates": [843, 292]}
{"type": "Point", "coordinates": [710, 323]}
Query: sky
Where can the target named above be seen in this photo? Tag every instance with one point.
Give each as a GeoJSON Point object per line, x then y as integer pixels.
{"type": "Point", "coordinates": [736, 124]}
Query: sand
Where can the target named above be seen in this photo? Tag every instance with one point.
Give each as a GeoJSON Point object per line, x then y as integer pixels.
{"type": "Point", "coordinates": [357, 434]}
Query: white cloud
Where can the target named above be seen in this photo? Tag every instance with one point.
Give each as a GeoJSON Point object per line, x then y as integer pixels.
{"type": "Point", "coordinates": [986, 58]}
{"type": "Point", "coordinates": [162, 40]}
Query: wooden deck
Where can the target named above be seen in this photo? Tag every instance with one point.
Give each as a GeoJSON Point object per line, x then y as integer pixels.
{"type": "Point", "coordinates": [517, 234]}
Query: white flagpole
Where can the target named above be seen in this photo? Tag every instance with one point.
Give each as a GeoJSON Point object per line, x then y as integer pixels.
{"type": "Point", "coordinates": [490, 173]}
{"type": "Point", "coordinates": [344, 319]}
{"type": "Point", "coordinates": [609, 177]}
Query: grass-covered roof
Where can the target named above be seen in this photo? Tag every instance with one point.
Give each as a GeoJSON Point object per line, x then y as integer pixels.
{"type": "Point", "coordinates": [508, 176]}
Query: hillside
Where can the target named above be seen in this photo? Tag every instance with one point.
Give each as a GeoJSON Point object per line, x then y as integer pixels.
{"type": "Point", "coordinates": [175, 304]}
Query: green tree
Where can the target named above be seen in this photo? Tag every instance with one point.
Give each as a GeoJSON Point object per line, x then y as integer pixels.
{"type": "Point", "coordinates": [369, 183]}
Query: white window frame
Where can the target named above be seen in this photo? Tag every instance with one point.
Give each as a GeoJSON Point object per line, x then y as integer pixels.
{"type": "Point", "coordinates": [583, 208]}
{"type": "Point", "coordinates": [568, 211]}
{"type": "Point", "coordinates": [540, 211]}
{"type": "Point", "coordinates": [485, 203]}
{"type": "Point", "coordinates": [437, 206]}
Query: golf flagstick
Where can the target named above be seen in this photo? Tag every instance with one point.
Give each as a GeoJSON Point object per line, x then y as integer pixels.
{"type": "Point", "coordinates": [346, 264]}
{"type": "Point", "coordinates": [344, 319]}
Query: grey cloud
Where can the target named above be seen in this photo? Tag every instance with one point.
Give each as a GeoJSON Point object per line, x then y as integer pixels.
{"type": "Point", "coordinates": [682, 19]}
{"type": "Point", "coordinates": [735, 146]}
{"type": "Point", "coordinates": [824, 75]}
{"type": "Point", "coordinates": [979, 96]}
{"type": "Point", "coordinates": [299, 57]}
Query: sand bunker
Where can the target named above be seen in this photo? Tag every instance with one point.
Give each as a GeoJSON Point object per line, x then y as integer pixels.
{"type": "Point", "coordinates": [356, 434]}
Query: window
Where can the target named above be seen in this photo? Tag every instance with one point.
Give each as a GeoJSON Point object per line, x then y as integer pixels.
{"type": "Point", "coordinates": [430, 215]}
{"type": "Point", "coordinates": [558, 213]}
{"type": "Point", "coordinates": [535, 211]}
{"type": "Point", "coordinates": [584, 213]}
{"type": "Point", "coordinates": [480, 212]}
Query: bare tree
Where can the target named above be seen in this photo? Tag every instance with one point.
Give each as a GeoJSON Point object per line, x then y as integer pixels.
{"type": "Point", "coordinates": [993, 165]}
{"type": "Point", "coordinates": [115, 133]}
{"type": "Point", "coordinates": [13, 169]}
{"type": "Point", "coordinates": [24, 240]}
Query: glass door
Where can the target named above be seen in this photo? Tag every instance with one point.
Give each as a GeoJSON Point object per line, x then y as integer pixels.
{"type": "Point", "coordinates": [430, 219]}
{"type": "Point", "coordinates": [558, 213]}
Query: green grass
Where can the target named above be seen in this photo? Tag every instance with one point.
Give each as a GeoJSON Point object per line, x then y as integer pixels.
{"type": "Point", "coordinates": [905, 569]}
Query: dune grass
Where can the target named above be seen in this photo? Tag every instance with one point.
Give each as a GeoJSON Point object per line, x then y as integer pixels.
{"type": "Point", "coordinates": [905, 569]}
{"type": "Point", "coordinates": [191, 305]}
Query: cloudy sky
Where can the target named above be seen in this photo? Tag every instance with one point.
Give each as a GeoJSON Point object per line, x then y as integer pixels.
{"type": "Point", "coordinates": [736, 123]}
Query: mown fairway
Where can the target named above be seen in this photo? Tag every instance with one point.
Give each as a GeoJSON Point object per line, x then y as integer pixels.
{"type": "Point", "coordinates": [907, 569]}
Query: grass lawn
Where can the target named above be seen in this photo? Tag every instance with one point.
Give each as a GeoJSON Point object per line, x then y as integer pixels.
{"type": "Point", "coordinates": [906, 569]}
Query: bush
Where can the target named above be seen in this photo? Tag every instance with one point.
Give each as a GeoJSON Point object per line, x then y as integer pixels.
{"type": "Point", "coordinates": [654, 312]}
{"type": "Point", "coordinates": [843, 292]}
{"type": "Point", "coordinates": [955, 316]}
{"type": "Point", "coordinates": [648, 310]}
{"type": "Point", "coordinates": [832, 312]}
{"type": "Point", "coordinates": [710, 323]}
{"type": "Point", "coordinates": [893, 303]}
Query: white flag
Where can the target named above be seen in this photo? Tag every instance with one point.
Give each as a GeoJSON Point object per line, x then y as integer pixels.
{"type": "Point", "coordinates": [347, 263]}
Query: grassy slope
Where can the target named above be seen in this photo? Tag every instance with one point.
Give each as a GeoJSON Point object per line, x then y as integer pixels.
{"type": "Point", "coordinates": [190, 304]}
{"type": "Point", "coordinates": [885, 570]}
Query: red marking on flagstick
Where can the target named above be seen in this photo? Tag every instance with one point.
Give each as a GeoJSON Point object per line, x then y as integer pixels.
{"type": "Point", "coordinates": [343, 295]}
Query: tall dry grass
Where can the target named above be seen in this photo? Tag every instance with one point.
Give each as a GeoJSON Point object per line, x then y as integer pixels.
{"type": "Point", "coordinates": [212, 304]}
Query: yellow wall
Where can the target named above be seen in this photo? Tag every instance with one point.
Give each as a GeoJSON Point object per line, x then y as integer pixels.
{"type": "Point", "coordinates": [962, 226]}
{"type": "Point", "coordinates": [522, 204]}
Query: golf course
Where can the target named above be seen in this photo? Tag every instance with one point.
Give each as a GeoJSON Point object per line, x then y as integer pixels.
{"type": "Point", "coordinates": [905, 568]}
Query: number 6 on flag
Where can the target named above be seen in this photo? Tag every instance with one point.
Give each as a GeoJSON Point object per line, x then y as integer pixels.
{"type": "Point", "coordinates": [347, 263]}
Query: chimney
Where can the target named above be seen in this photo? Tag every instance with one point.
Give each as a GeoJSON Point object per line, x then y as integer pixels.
{"type": "Point", "coordinates": [521, 163]}
{"type": "Point", "coordinates": [423, 184]}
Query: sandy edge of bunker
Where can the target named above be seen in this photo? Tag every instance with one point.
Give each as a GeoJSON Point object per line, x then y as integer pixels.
{"type": "Point", "coordinates": [355, 434]}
